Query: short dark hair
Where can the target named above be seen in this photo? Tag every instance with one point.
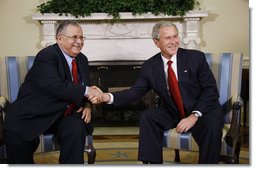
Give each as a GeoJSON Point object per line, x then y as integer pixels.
{"type": "Point", "coordinates": [62, 26]}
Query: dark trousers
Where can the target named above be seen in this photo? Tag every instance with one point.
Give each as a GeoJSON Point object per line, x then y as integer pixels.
{"type": "Point", "coordinates": [70, 132]}
{"type": "Point", "coordinates": [207, 132]}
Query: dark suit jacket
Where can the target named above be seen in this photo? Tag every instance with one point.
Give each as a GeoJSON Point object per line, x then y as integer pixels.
{"type": "Point", "coordinates": [196, 82]}
{"type": "Point", "coordinates": [46, 92]}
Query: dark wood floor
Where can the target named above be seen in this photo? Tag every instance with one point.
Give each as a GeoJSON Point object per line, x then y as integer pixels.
{"type": "Point", "coordinates": [245, 137]}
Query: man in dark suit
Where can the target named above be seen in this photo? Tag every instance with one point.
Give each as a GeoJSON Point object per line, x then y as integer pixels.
{"type": "Point", "coordinates": [202, 114]}
{"type": "Point", "coordinates": [44, 101]}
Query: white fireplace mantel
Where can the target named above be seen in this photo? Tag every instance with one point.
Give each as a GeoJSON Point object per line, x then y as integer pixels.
{"type": "Point", "coordinates": [128, 39]}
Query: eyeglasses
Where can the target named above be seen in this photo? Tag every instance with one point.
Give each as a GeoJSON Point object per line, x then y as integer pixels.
{"type": "Point", "coordinates": [75, 37]}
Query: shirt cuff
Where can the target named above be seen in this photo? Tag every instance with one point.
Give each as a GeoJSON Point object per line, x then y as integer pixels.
{"type": "Point", "coordinates": [86, 92]}
{"type": "Point", "coordinates": [198, 112]}
{"type": "Point", "coordinates": [111, 100]}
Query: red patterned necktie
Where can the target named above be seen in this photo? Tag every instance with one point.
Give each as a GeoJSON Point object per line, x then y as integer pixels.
{"type": "Point", "coordinates": [74, 72]}
{"type": "Point", "coordinates": [174, 90]}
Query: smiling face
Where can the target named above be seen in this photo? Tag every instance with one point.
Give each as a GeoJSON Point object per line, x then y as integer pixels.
{"type": "Point", "coordinates": [168, 41]}
{"type": "Point", "coordinates": [71, 46]}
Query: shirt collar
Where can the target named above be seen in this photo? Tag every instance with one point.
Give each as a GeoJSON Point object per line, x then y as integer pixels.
{"type": "Point", "coordinates": [165, 61]}
{"type": "Point", "coordinates": [67, 57]}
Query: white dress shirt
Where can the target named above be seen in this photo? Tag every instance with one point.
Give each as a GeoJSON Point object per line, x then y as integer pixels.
{"type": "Point", "coordinates": [69, 61]}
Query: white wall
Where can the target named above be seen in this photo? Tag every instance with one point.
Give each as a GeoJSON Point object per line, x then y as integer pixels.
{"type": "Point", "coordinates": [226, 29]}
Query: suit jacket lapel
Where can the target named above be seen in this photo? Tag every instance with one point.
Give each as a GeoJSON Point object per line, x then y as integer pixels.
{"type": "Point", "coordinates": [65, 64]}
{"type": "Point", "coordinates": [83, 77]}
{"type": "Point", "coordinates": [183, 73]}
{"type": "Point", "coordinates": [160, 75]}
{"type": "Point", "coordinates": [182, 66]}
{"type": "Point", "coordinates": [161, 83]}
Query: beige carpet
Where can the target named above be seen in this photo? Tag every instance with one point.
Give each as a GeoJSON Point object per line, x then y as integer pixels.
{"type": "Point", "coordinates": [116, 148]}
{"type": "Point", "coordinates": [129, 156]}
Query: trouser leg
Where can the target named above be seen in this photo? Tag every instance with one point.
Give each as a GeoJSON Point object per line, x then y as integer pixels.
{"type": "Point", "coordinates": [153, 122]}
{"type": "Point", "coordinates": [71, 134]}
{"type": "Point", "coordinates": [18, 150]}
{"type": "Point", "coordinates": [208, 132]}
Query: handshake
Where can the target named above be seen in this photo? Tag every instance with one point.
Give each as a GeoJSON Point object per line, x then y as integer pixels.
{"type": "Point", "coordinates": [96, 96]}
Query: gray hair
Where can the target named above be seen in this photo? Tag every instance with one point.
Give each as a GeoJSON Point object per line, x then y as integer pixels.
{"type": "Point", "coordinates": [63, 25]}
{"type": "Point", "coordinates": [157, 26]}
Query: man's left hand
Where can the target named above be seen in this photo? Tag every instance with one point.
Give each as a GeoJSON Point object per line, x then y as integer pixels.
{"type": "Point", "coordinates": [86, 113]}
{"type": "Point", "coordinates": [186, 124]}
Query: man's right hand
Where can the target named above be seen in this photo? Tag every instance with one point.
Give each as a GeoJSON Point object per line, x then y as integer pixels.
{"type": "Point", "coordinates": [96, 96]}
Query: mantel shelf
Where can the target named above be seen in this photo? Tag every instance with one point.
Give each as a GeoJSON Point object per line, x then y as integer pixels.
{"type": "Point", "coordinates": [127, 39]}
{"type": "Point", "coordinates": [123, 16]}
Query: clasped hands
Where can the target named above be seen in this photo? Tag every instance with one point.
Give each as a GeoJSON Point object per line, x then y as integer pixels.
{"type": "Point", "coordinates": [96, 96]}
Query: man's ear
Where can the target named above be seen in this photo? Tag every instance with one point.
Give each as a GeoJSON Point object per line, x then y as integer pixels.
{"type": "Point", "coordinates": [58, 37]}
{"type": "Point", "coordinates": [156, 42]}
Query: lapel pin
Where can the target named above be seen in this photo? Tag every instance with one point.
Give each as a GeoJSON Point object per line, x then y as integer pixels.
{"type": "Point", "coordinates": [185, 71]}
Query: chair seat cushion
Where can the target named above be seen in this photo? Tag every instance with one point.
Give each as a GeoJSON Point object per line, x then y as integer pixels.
{"type": "Point", "coordinates": [47, 143]}
{"type": "Point", "coordinates": [185, 141]}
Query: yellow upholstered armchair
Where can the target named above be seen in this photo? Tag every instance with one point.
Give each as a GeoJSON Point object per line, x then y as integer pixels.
{"type": "Point", "coordinates": [227, 69]}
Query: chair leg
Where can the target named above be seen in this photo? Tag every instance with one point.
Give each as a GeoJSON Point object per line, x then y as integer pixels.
{"type": "Point", "coordinates": [237, 150]}
{"type": "Point", "coordinates": [177, 156]}
{"type": "Point", "coordinates": [91, 154]}
{"type": "Point", "coordinates": [3, 160]}
{"type": "Point", "coordinates": [235, 158]}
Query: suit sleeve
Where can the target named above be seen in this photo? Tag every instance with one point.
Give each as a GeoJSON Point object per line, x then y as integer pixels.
{"type": "Point", "coordinates": [139, 89]}
{"type": "Point", "coordinates": [48, 75]}
{"type": "Point", "coordinates": [208, 97]}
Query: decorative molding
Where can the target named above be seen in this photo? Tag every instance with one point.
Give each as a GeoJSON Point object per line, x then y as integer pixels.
{"type": "Point", "coordinates": [127, 39]}
{"type": "Point", "coordinates": [246, 62]}
{"type": "Point", "coordinates": [123, 16]}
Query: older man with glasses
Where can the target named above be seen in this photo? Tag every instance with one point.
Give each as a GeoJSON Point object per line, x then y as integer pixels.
{"type": "Point", "coordinates": [52, 99]}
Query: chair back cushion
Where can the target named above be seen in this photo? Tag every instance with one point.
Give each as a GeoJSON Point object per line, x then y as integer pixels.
{"type": "Point", "coordinates": [227, 69]}
{"type": "Point", "coordinates": [13, 70]}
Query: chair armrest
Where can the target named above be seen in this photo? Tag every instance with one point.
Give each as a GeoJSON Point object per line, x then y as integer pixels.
{"type": "Point", "coordinates": [1, 127]}
{"type": "Point", "coordinates": [89, 148]}
{"type": "Point", "coordinates": [156, 101]}
{"type": "Point", "coordinates": [3, 104]}
{"type": "Point", "coordinates": [233, 134]}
